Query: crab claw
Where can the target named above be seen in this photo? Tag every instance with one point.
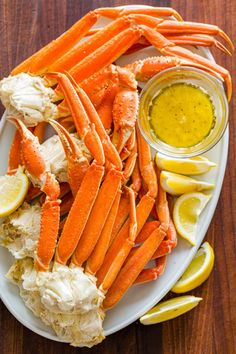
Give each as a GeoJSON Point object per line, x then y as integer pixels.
{"type": "Point", "coordinates": [30, 149]}
{"type": "Point", "coordinates": [36, 167]}
{"type": "Point", "coordinates": [77, 162]}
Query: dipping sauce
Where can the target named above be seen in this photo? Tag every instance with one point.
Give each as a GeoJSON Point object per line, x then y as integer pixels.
{"type": "Point", "coordinates": [182, 115]}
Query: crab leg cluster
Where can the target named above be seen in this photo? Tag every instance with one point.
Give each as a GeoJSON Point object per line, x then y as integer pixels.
{"type": "Point", "coordinates": [107, 204]}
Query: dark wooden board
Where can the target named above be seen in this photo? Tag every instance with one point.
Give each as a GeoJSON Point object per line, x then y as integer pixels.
{"type": "Point", "coordinates": [25, 26]}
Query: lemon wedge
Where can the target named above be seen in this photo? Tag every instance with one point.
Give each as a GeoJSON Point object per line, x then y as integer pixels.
{"type": "Point", "coordinates": [169, 309]}
{"type": "Point", "coordinates": [198, 271]}
{"type": "Point", "coordinates": [176, 184]}
{"type": "Point", "coordinates": [13, 190]}
{"type": "Point", "coordinates": [189, 166]}
{"type": "Point", "coordinates": [186, 212]}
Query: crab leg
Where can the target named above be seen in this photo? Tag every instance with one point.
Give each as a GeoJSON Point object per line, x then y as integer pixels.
{"type": "Point", "coordinates": [146, 231]}
{"type": "Point", "coordinates": [79, 213]}
{"type": "Point", "coordinates": [199, 40]}
{"type": "Point", "coordinates": [169, 243]}
{"type": "Point", "coordinates": [39, 62]}
{"type": "Point", "coordinates": [143, 208]}
{"type": "Point", "coordinates": [98, 216]}
{"type": "Point", "coordinates": [133, 267]}
{"type": "Point", "coordinates": [35, 165]}
{"type": "Point", "coordinates": [96, 259]}
{"type": "Point", "coordinates": [125, 110]}
{"type": "Point", "coordinates": [129, 146]}
{"type": "Point", "coordinates": [85, 128]}
{"type": "Point", "coordinates": [162, 207]}
{"type": "Point", "coordinates": [14, 159]}
{"type": "Point", "coordinates": [109, 150]}
{"type": "Point", "coordinates": [147, 68]}
{"type": "Point", "coordinates": [167, 47]}
{"type": "Point", "coordinates": [66, 204]}
{"type": "Point", "coordinates": [115, 87]}
{"type": "Point", "coordinates": [105, 109]}
{"type": "Point", "coordinates": [39, 131]}
{"type": "Point", "coordinates": [122, 252]}
{"type": "Point", "coordinates": [106, 54]}
{"type": "Point", "coordinates": [151, 11]}
{"type": "Point", "coordinates": [151, 274]}
{"type": "Point", "coordinates": [77, 54]}
{"type": "Point", "coordinates": [123, 211]}
{"type": "Point", "coordinates": [77, 163]}
{"type": "Point", "coordinates": [168, 27]}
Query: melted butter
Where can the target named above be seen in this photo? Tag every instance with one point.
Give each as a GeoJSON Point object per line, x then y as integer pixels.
{"type": "Point", "coordinates": [182, 115]}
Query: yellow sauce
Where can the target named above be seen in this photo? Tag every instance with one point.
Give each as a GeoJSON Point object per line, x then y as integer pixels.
{"type": "Point", "coordinates": [182, 115]}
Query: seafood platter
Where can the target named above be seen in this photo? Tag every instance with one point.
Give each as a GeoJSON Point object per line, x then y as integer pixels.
{"type": "Point", "coordinates": [90, 244]}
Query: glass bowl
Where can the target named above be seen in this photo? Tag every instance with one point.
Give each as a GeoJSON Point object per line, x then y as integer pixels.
{"type": "Point", "coordinates": [189, 75]}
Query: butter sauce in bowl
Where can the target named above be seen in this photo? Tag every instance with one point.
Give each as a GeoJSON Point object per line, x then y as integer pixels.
{"type": "Point", "coordinates": [183, 111]}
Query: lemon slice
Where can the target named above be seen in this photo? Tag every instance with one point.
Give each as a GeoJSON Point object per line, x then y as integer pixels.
{"type": "Point", "coordinates": [169, 309]}
{"type": "Point", "coordinates": [13, 190]}
{"type": "Point", "coordinates": [189, 166]}
{"type": "Point", "coordinates": [176, 184]}
{"type": "Point", "coordinates": [198, 271]}
{"type": "Point", "coordinates": [186, 212]}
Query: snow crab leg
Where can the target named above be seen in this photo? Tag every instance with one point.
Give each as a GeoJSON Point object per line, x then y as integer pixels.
{"type": "Point", "coordinates": [35, 165]}
{"type": "Point", "coordinates": [40, 61]}
{"type": "Point", "coordinates": [143, 210]}
{"type": "Point", "coordinates": [151, 11]}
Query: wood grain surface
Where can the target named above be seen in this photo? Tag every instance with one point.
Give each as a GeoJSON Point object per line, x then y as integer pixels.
{"type": "Point", "coordinates": [27, 25]}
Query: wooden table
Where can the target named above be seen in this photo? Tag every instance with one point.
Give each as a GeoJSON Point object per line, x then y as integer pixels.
{"type": "Point", "coordinates": [25, 26]}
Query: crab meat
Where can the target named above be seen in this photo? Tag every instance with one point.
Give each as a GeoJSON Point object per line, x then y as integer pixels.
{"type": "Point", "coordinates": [28, 98]}
{"type": "Point", "coordinates": [65, 298]}
{"type": "Point", "coordinates": [19, 232]}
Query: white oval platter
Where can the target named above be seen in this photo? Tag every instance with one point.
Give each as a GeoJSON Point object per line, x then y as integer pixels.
{"type": "Point", "coordinates": [139, 298]}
